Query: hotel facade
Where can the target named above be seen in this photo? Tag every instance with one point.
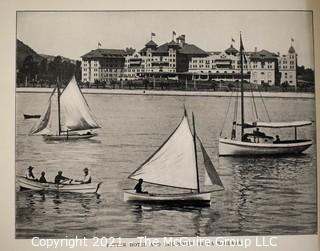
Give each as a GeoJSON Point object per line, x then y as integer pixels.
{"type": "Point", "coordinates": [187, 61]}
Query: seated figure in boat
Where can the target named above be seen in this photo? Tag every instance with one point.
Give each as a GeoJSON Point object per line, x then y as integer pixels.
{"type": "Point", "coordinates": [86, 178]}
{"type": "Point", "coordinates": [277, 141]}
{"type": "Point", "coordinates": [59, 178]}
{"type": "Point", "coordinates": [42, 178]}
{"type": "Point", "coordinates": [29, 174]}
{"type": "Point", "coordinates": [138, 187]}
{"type": "Point", "coordinates": [257, 133]}
{"type": "Point", "coordinates": [245, 137]}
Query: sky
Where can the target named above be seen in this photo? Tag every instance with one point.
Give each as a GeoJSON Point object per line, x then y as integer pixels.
{"type": "Point", "coordinates": [72, 34]}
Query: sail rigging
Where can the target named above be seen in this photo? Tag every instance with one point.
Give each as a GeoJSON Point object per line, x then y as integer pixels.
{"type": "Point", "coordinates": [69, 113]}
{"type": "Point", "coordinates": [174, 163]}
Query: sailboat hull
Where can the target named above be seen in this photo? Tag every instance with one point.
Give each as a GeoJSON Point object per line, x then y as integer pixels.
{"type": "Point", "coordinates": [182, 198]}
{"type": "Point", "coordinates": [229, 147]}
{"type": "Point", "coordinates": [27, 184]}
{"type": "Point", "coordinates": [69, 137]}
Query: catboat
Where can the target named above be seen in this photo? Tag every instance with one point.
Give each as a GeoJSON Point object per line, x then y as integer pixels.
{"type": "Point", "coordinates": [31, 116]}
{"type": "Point", "coordinates": [257, 143]}
{"type": "Point", "coordinates": [175, 165]}
{"type": "Point", "coordinates": [67, 116]}
{"type": "Point", "coordinates": [29, 184]}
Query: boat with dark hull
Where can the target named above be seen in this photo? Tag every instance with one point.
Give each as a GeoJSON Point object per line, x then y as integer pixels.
{"type": "Point", "coordinates": [31, 116]}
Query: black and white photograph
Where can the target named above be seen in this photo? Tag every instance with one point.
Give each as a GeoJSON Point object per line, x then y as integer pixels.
{"type": "Point", "coordinates": [165, 123]}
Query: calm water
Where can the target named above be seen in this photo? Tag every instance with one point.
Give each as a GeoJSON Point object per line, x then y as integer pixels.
{"type": "Point", "coordinates": [261, 196]}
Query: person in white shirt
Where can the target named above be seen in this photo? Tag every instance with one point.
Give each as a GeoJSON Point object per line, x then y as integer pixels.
{"type": "Point", "coordinates": [29, 174]}
{"type": "Point", "coordinates": [86, 178]}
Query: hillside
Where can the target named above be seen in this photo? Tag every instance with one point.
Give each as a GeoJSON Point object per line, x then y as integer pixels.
{"type": "Point", "coordinates": [23, 51]}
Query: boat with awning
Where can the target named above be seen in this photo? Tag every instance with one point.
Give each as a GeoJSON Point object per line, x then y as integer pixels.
{"type": "Point", "coordinates": [257, 142]}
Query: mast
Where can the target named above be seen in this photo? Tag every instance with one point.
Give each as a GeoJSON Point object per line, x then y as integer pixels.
{"type": "Point", "coordinates": [59, 119]}
{"type": "Point", "coordinates": [195, 151]}
{"type": "Point", "coordinates": [241, 87]}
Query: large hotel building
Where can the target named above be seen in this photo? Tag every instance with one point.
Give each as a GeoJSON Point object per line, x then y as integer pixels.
{"type": "Point", "coordinates": [188, 62]}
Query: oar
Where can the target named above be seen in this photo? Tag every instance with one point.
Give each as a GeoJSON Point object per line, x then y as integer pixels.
{"type": "Point", "coordinates": [98, 187]}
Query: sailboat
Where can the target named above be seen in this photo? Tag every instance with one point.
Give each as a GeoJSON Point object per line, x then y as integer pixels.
{"type": "Point", "coordinates": [67, 115]}
{"type": "Point", "coordinates": [257, 143]}
{"type": "Point", "coordinates": [175, 165]}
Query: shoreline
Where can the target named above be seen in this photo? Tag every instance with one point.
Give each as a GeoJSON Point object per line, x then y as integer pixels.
{"type": "Point", "coordinates": [173, 93]}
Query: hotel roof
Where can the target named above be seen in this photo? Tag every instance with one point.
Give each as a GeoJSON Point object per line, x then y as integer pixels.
{"type": "Point", "coordinates": [263, 54]}
{"type": "Point", "coordinates": [102, 53]}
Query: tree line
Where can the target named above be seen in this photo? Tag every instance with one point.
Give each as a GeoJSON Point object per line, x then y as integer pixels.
{"type": "Point", "coordinates": [48, 71]}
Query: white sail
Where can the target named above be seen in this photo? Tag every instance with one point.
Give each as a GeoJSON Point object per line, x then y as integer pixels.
{"type": "Point", "coordinates": [211, 175]}
{"type": "Point", "coordinates": [48, 123]}
{"type": "Point", "coordinates": [75, 113]}
{"type": "Point", "coordinates": [174, 163]}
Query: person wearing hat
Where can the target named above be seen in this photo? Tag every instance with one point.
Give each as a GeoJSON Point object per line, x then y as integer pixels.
{"type": "Point", "coordinates": [29, 174]}
{"type": "Point", "coordinates": [59, 178]}
{"type": "Point", "coordinates": [43, 179]}
{"type": "Point", "coordinates": [86, 178]}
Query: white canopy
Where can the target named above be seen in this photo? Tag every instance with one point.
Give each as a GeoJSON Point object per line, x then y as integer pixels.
{"type": "Point", "coordinates": [281, 124]}
{"type": "Point", "coordinates": [174, 163]}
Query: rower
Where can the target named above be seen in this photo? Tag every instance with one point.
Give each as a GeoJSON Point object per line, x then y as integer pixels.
{"type": "Point", "coordinates": [87, 178]}
{"type": "Point", "coordinates": [43, 179]}
{"type": "Point", "coordinates": [138, 187]}
{"type": "Point", "coordinates": [29, 174]}
{"type": "Point", "coordinates": [60, 178]}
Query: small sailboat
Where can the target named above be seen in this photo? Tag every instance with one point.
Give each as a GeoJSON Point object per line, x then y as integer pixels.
{"type": "Point", "coordinates": [67, 116]}
{"type": "Point", "coordinates": [257, 143]}
{"type": "Point", "coordinates": [175, 165]}
{"type": "Point", "coordinates": [28, 184]}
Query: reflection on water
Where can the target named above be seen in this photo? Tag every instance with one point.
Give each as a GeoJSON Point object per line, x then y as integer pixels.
{"type": "Point", "coordinates": [262, 195]}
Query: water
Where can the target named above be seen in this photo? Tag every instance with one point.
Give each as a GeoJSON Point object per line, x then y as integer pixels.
{"type": "Point", "coordinates": [261, 196]}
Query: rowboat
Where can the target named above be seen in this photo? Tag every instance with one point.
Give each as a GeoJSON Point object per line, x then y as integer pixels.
{"type": "Point", "coordinates": [28, 184]}
{"type": "Point", "coordinates": [67, 116]}
{"type": "Point", "coordinates": [31, 116]}
{"type": "Point", "coordinates": [257, 143]}
{"type": "Point", "coordinates": [175, 165]}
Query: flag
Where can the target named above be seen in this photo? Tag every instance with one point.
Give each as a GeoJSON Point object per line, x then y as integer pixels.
{"type": "Point", "coordinates": [99, 44]}
{"type": "Point", "coordinates": [292, 40]}
{"type": "Point", "coordinates": [232, 40]}
{"type": "Point", "coordinates": [241, 44]}
{"type": "Point", "coordinates": [153, 34]}
{"type": "Point", "coordinates": [174, 33]}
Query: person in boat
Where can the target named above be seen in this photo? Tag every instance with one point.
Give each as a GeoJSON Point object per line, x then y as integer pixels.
{"type": "Point", "coordinates": [277, 141]}
{"type": "Point", "coordinates": [245, 137]}
{"type": "Point", "coordinates": [257, 133]}
{"type": "Point", "coordinates": [29, 174]}
{"type": "Point", "coordinates": [59, 178]}
{"type": "Point", "coordinates": [138, 187]}
{"type": "Point", "coordinates": [233, 132]}
{"type": "Point", "coordinates": [42, 178]}
{"type": "Point", "coordinates": [86, 178]}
